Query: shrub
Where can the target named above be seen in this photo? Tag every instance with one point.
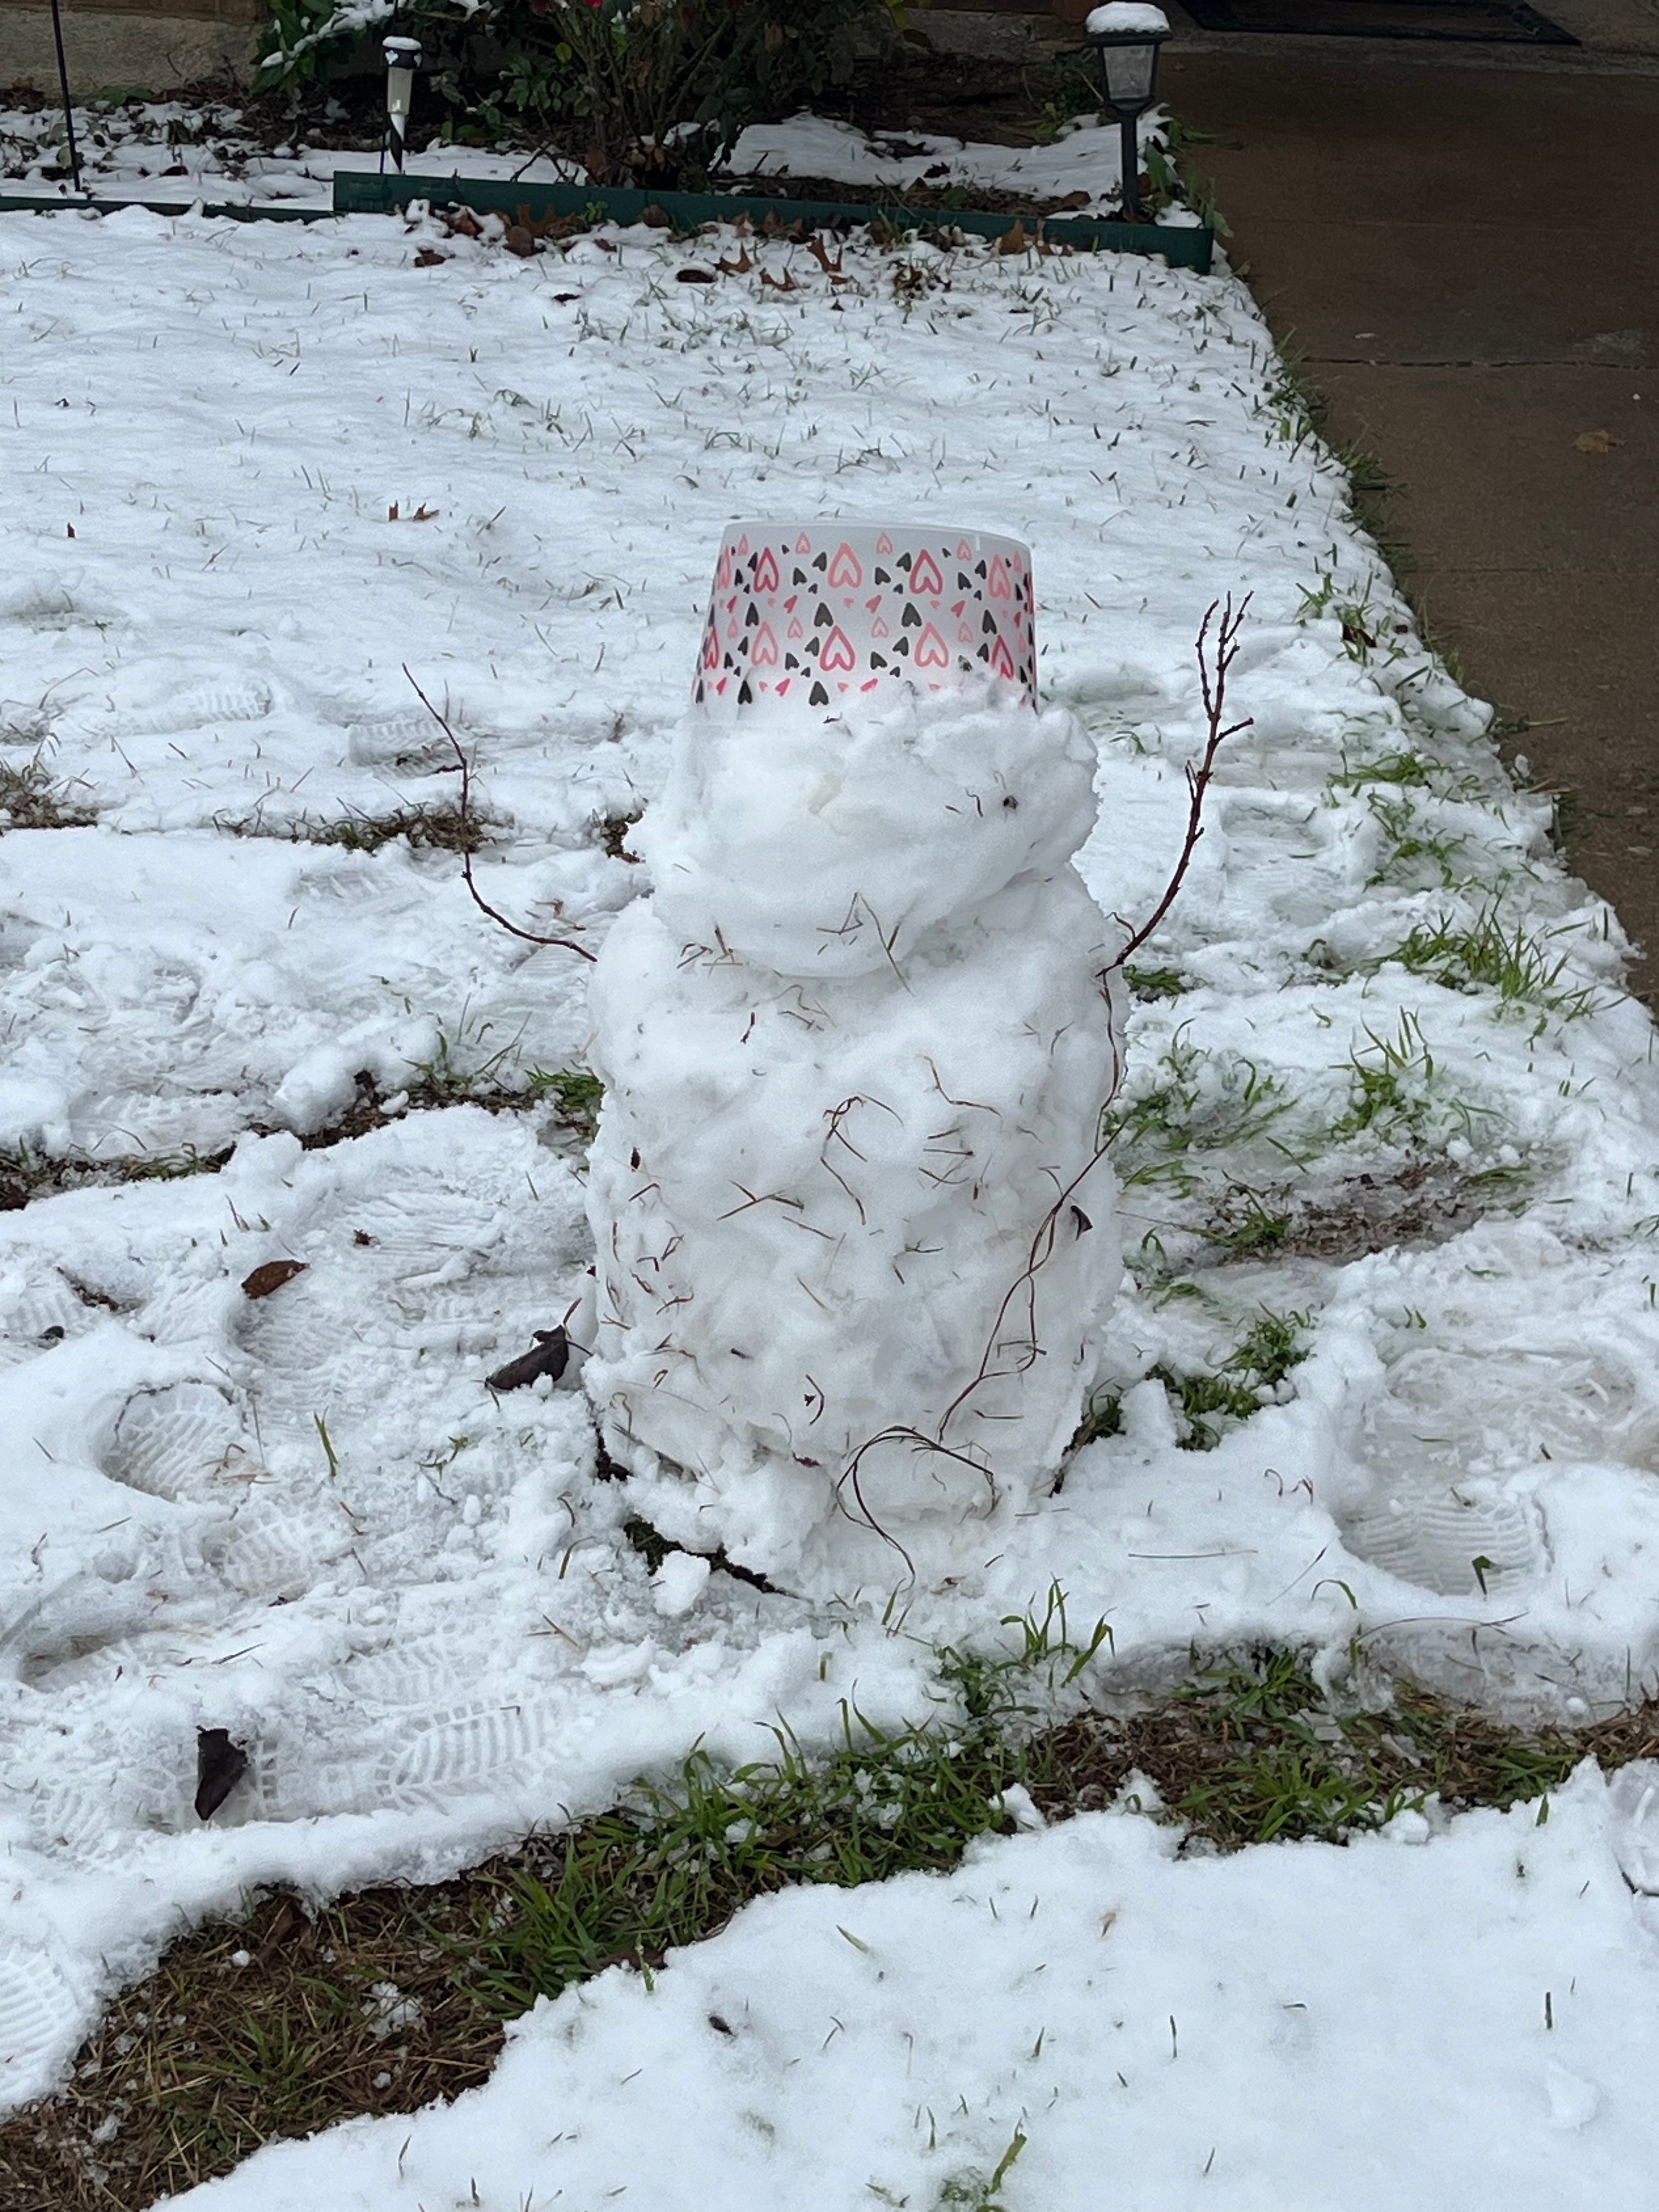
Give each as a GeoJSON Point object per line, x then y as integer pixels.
{"type": "Point", "coordinates": [644, 92]}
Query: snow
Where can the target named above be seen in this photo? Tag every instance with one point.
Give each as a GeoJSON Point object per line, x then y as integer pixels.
{"type": "Point", "coordinates": [1120, 18]}
{"type": "Point", "coordinates": [428, 1627]}
{"type": "Point", "coordinates": [175, 151]}
{"type": "Point", "coordinates": [167, 151]}
{"type": "Point", "coordinates": [1086, 156]}
{"type": "Point", "coordinates": [1465, 2021]}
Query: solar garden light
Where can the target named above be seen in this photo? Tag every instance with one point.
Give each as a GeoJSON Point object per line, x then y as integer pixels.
{"type": "Point", "coordinates": [403, 58]}
{"type": "Point", "coordinates": [1126, 35]}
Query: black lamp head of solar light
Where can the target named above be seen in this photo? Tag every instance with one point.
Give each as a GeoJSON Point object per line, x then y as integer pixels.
{"type": "Point", "coordinates": [1127, 37]}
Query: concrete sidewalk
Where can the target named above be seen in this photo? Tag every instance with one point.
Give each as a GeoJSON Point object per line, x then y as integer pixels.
{"type": "Point", "coordinates": [1463, 255]}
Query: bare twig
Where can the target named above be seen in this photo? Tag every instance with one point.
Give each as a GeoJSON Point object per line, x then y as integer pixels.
{"type": "Point", "coordinates": [901, 1433]}
{"type": "Point", "coordinates": [529, 936]}
{"type": "Point", "coordinates": [1214, 685]}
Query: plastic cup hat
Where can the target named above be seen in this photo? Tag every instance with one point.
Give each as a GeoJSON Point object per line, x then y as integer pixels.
{"type": "Point", "coordinates": [807, 619]}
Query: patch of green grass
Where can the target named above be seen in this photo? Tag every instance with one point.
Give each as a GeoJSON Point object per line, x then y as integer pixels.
{"type": "Point", "coordinates": [1283, 1763]}
{"type": "Point", "coordinates": [1197, 1103]}
{"type": "Point", "coordinates": [1417, 848]}
{"type": "Point", "coordinates": [1406, 768]}
{"type": "Point", "coordinates": [1363, 628]}
{"type": "Point", "coordinates": [1245, 1224]}
{"type": "Point", "coordinates": [1155, 982]}
{"type": "Point", "coordinates": [980, 2192]}
{"type": "Point", "coordinates": [462, 1073]}
{"type": "Point", "coordinates": [1484, 956]}
{"type": "Point", "coordinates": [1209, 1401]}
{"type": "Point", "coordinates": [577, 1095]}
{"type": "Point", "coordinates": [1285, 1770]}
{"type": "Point", "coordinates": [1393, 1093]}
{"type": "Point", "coordinates": [677, 1862]}
{"type": "Point", "coordinates": [1390, 1082]}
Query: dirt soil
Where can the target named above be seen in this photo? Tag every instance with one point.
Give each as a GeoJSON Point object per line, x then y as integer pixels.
{"type": "Point", "coordinates": [937, 198]}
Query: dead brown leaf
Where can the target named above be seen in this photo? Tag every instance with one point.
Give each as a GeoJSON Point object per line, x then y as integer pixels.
{"type": "Point", "coordinates": [1594, 441]}
{"type": "Point", "coordinates": [271, 1277]}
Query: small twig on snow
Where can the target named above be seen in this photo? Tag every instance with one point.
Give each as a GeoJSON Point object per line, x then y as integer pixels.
{"type": "Point", "coordinates": [529, 936]}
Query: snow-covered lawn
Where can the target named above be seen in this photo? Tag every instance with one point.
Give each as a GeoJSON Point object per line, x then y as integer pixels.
{"type": "Point", "coordinates": [251, 472]}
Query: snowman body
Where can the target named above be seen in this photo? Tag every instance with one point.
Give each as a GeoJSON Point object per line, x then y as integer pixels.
{"type": "Point", "coordinates": [855, 1241]}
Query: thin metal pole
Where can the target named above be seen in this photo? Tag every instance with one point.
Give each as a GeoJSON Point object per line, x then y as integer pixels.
{"type": "Point", "coordinates": [1129, 145]}
{"type": "Point", "coordinates": [62, 83]}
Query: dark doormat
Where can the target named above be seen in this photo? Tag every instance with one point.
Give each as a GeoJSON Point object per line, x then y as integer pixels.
{"type": "Point", "coordinates": [1488, 22]}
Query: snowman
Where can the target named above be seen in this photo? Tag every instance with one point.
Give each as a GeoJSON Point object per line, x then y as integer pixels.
{"type": "Point", "coordinates": [856, 1238]}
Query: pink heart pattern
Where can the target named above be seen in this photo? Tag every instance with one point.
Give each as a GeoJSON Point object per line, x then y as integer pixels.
{"type": "Point", "coordinates": [815, 613]}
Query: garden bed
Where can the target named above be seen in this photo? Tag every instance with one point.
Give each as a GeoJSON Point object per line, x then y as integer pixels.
{"type": "Point", "coordinates": [1184, 246]}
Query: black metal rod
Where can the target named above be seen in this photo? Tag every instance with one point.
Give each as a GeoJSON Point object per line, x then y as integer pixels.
{"type": "Point", "coordinates": [1129, 142]}
{"type": "Point", "coordinates": [62, 86]}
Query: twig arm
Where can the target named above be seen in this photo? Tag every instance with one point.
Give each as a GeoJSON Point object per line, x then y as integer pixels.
{"type": "Point", "coordinates": [1214, 683]}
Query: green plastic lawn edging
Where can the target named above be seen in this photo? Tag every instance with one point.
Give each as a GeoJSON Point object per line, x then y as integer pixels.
{"type": "Point", "coordinates": [362, 192]}
{"type": "Point", "coordinates": [358, 192]}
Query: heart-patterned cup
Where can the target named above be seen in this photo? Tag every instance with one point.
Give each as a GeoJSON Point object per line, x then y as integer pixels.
{"type": "Point", "coordinates": [810, 618]}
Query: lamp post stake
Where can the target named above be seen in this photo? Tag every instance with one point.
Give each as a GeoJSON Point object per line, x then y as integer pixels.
{"type": "Point", "coordinates": [62, 86]}
{"type": "Point", "coordinates": [1128, 133]}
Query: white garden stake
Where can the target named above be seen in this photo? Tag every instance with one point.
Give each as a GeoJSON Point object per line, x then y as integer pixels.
{"type": "Point", "coordinates": [403, 58]}
{"type": "Point", "coordinates": [855, 1243]}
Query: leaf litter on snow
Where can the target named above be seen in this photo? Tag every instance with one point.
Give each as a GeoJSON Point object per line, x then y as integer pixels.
{"type": "Point", "coordinates": [305, 1520]}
